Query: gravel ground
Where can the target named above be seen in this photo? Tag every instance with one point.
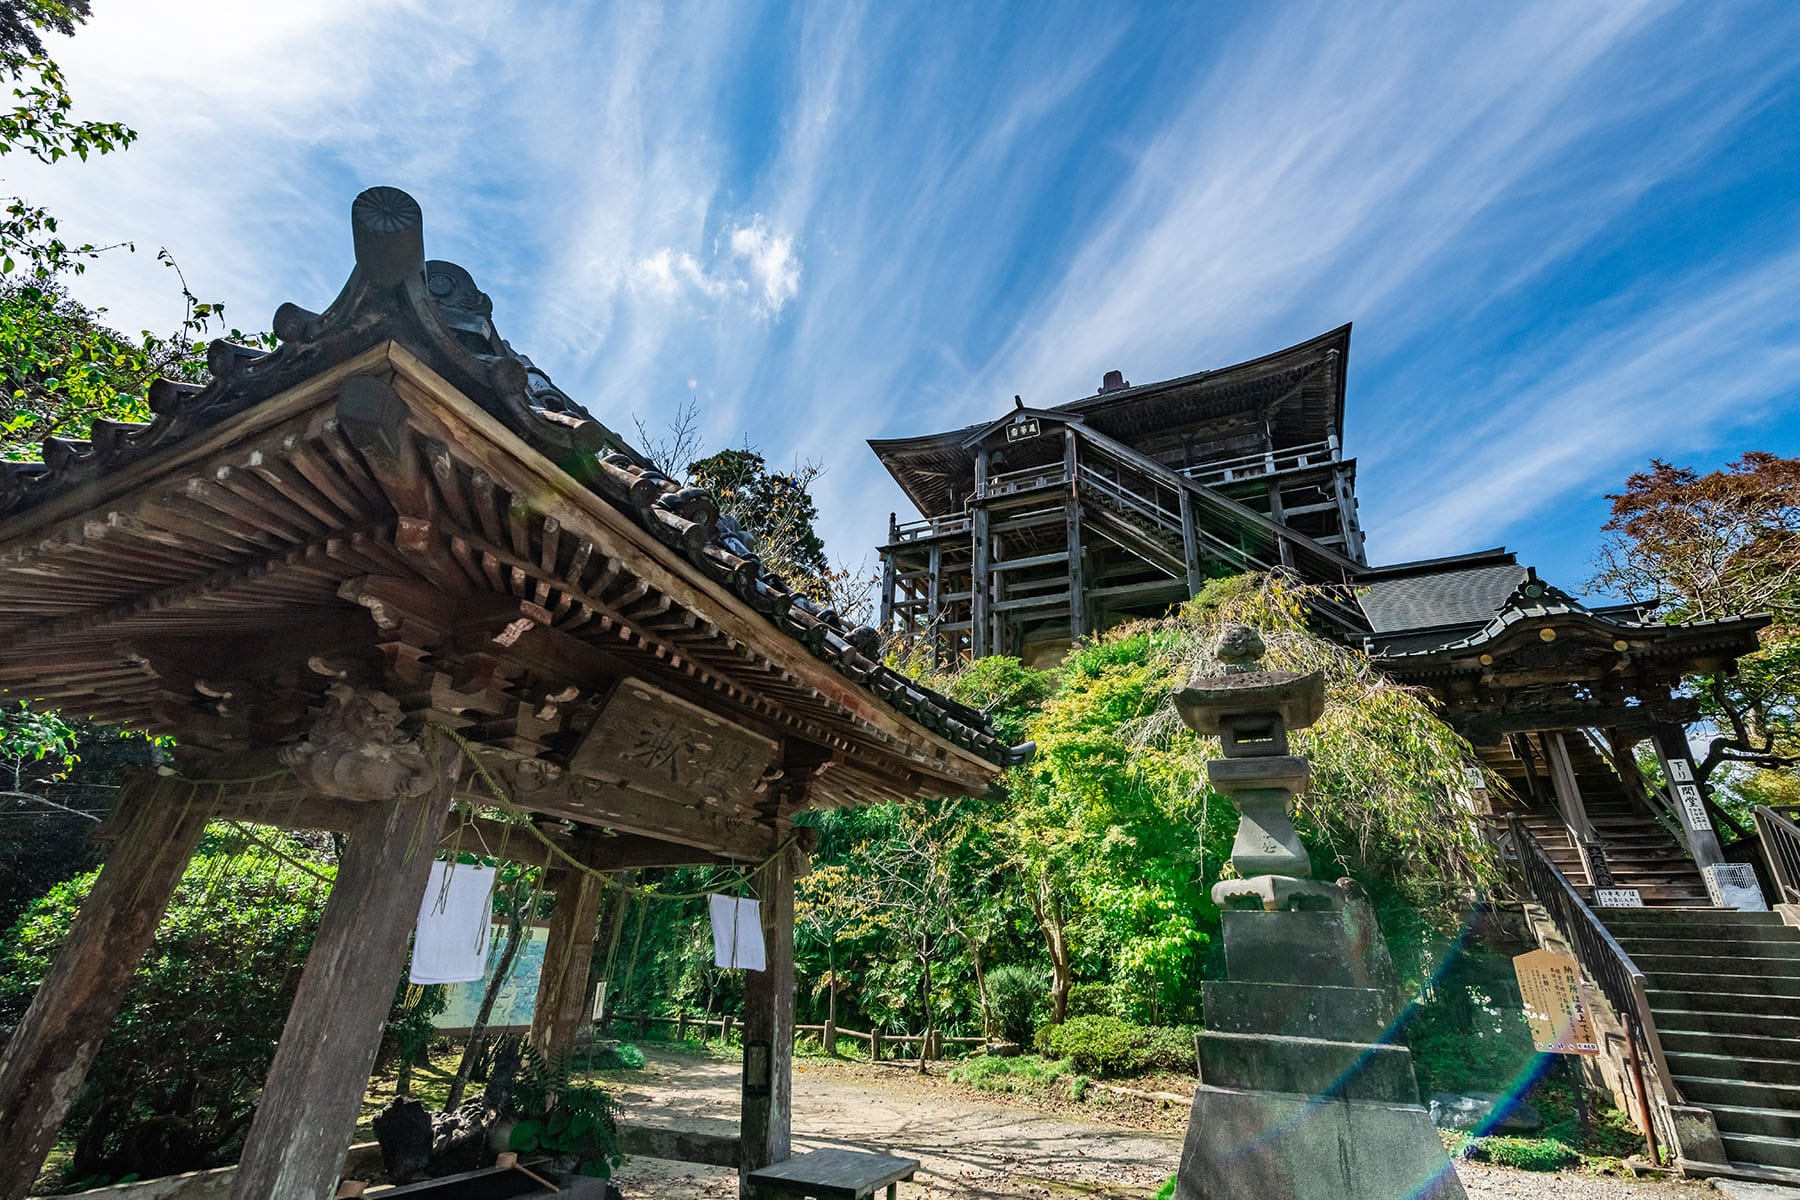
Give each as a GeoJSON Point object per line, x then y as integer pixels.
{"type": "Point", "coordinates": [973, 1145]}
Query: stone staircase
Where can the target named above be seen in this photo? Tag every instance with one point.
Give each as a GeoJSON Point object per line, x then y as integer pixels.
{"type": "Point", "coordinates": [1640, 851]}
{"type": "Point", "coordinates": [1724, 992]}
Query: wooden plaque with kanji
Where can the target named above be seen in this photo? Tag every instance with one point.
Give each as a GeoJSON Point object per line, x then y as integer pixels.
{"type": "Point", "coordinates": [658, 743]}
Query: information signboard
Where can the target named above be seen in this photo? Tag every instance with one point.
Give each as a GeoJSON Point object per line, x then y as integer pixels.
{"type": "Point", "coordinates": [1556, 1003]}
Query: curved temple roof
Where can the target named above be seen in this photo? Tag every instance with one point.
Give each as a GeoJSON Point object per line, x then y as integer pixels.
{"type": "Point", "coordinates": [437, 312]}
{"type": "Point", "coordinates": [1300, 388]}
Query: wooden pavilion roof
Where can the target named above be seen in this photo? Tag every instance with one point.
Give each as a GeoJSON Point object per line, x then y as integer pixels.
{"type": "Point", "coordinates": [395, 494]}
{"type": "Point", "coordinates": [1545, 660]}
{"type": "Point", "coordinates": [1299, 391]}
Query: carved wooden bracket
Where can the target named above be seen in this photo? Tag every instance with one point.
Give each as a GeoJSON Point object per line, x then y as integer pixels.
{"type": "Point", "coordinates": [356, 751]}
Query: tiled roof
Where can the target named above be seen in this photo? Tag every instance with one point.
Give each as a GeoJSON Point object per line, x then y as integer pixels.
{"type": "Point", "coordinates": [1460, 595]}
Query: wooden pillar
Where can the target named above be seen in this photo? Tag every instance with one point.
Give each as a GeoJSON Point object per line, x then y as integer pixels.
{"type": "Point", "coordinates": [568, 957]}
{"type": "Point", "coordinates": [56, 1041]}
{"type": "Point", "coordinates": [1078, 615]}
{"type": "Point", "coordinates": [979, 584]}
{"type": "Point", "coordinates": [304, 1122]}
{"type": "Point", "coordinates": [887, 576]}
{"type": "Point", "coordinates": [767, 1115]}
{"type": "Point", "coordinates": [1568, 793]}
{"type": "Point", "coordinates": [1671, 746]}
{"type": "Point", "coordinates": [1190, 543]}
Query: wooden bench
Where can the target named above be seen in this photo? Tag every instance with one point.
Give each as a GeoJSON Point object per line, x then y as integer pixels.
{"type": "Point", "coordinates": [835, 1174]}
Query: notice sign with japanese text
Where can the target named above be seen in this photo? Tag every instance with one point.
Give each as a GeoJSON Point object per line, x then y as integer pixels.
{"type": "Point", "coordinates": [1556, 1003]}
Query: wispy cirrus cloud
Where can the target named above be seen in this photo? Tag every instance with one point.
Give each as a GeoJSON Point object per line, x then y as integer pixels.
{"type": "Point", "coordinates": [832, 222]}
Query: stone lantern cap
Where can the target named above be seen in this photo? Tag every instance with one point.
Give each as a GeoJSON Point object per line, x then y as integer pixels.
{"type": "Point", "coordinates": [1298, 700]}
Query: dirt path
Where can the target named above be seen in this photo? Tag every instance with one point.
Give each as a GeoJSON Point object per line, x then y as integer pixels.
{"type": "Point", "coordinates": [972, 1147]}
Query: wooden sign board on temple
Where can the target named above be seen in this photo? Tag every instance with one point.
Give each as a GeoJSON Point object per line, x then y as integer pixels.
{"type": "Point", "coordinates": [391, 566]}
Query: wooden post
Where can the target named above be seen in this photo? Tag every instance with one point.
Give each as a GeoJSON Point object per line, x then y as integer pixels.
{"type": "Point", "coordinates": [1078, 617]}
{"type": "Point", "coordinates": [56, 1041]}
{"type": "Point", "coordinates": [681, 1026]}
{"type": "Point", "coordinates": [1684, 792]}
{"type": "Point", "coordinates": [308, 1110]}
{"type": "Point", "coordinates": [568, 957]}
{"type": "Point", "coordinates": [1190, 543]}
{"type": "Point", "coordinates": [980, 583]}
{"type": "Point", "coordinates": [887, 577]}
{"type": "Point", "coordinates": [874, 1045]}
{"type": "Point", "coordinates": [766, 1122]}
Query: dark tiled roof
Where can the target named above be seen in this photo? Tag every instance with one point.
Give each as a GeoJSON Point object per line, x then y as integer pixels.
{"type": "Point", "coordinates": [1461, 595]}
{"type": "Point", "coordinates": [435, 309]}
{"type": "Point", "coordinates": [1535, 600]}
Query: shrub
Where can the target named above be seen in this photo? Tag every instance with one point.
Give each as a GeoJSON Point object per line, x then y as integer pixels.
{"type": "Point", "coordinates": [1017, 996]}
{"type": "Point", "coordinates": [1103, 1046]}
{"type": "Point", "coordinates": [989, 1073]}
{"type": "Point", "coordinates": [622, 1057]}
{"type": "Point", "coordinates": [1092, 1000]}
{"type": "Point", "coordinates": [1107, 1046]}
{"type": "Point", "coordinates": [1168, 1048]}
{"type": "Point", "coordinates": [1522, 1154]}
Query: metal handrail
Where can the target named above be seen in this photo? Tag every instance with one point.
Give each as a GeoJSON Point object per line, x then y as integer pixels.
{"type": "Point", "coordinates": [1781, 847]}
{"type": "Point", "coordinates": [1605, 962]}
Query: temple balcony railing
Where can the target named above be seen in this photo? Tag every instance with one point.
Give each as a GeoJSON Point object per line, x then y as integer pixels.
{"type": "Point", "coordinates": [1263, 463]}
{"type": "Point", "coordinates": [928, 528]}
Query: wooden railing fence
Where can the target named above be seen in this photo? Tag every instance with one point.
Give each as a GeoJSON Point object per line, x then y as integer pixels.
{"type": "Point", "coordinates": [875, 1042]}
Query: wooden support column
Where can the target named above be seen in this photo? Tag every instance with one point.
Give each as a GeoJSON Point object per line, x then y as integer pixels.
{"type": "Point", "coordinates": [1568, 793]}
{"type": "Point", "coordinates": [1671, 745]}
{"type": "Point", "coordinates": [56, 1041]}
{"type": "Point", "coordinates": [1078, 616]}
{"type": "Point", "coordinates": [1190, 543]}
{"type": "Point", "coordinates": [767, 1115]}
{"type": "Point", "coordinates": [307, 1114]}
{"type": "Point", "coordinates": [568, 957]}
{"type": "Point", "coordinates": [887, 577]}
{"type": "Point", "coordinates": [979, 586]}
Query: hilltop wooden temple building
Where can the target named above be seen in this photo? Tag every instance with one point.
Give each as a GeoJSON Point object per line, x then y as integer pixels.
{"type": "Point", "coordinates": [353, 575]}
{"type": "Point", "coordinates": [1046, 524]}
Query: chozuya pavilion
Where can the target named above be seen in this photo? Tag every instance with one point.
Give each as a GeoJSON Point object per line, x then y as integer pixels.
{"type": "Point", "coordinates": [349, 576]}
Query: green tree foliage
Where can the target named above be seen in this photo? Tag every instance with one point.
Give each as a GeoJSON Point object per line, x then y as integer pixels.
{"type": "Point", "coordinates": [61, 364]}
{"type": "Point", "coordinates": [1718, 545]}
{"type": "Point", "coordinates": [175, 1084]}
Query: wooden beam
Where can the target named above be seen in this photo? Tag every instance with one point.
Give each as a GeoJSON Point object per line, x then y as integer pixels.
{"type": "Point", "coordinates": [55, 1044]}
{"type": "Point", "coordinates": [568, 956]}
{"type": "Point", "coordinates": [327, 1050]}
{"type": "Point", "coordinates": [766, 1123]}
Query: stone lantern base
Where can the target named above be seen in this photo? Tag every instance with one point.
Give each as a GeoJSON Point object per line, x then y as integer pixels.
{"type": "Point", "coordinates": [1303, 1096]}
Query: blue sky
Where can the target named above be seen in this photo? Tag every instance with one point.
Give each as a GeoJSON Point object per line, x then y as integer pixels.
{"type": "Point", "coordinates": [1566, 232]}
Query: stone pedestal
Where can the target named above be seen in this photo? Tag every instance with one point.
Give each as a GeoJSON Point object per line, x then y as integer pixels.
{"type": "Point", "coordinates": [1303, 1094]}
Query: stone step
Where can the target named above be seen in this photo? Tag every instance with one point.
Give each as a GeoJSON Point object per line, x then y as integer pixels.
{"type": "Point", "coordinates": [1765, 1122]}
{"type": "Point", "coordinates": [1771, 987]}
{"type": "Point", "coordinates": [1698, 916]}
{"type": "Point", "coordinates": [1738, 1093]}
{"type": "Point", "coordinates": [1721, 1002]}
{"type": "Point", "coordinates": [1657, 965]}
{"type": "Point", "coordinates": [1727, 1021]}
{"type": "Point", "coordinates": [1730, 1045]}
{"type": "Point", "coordinates": [1762, 1151]}
{"type": "Point", "coordinates": [1706, 949]}
{"type": "Point", "coordinates": [1307, 1067]}
{"type": "Point", "coordinates": [1755, 940]}
{"type": "Point", "coordinates": [1727, 1066]}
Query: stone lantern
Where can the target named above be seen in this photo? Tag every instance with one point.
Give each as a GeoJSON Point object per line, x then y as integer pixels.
{"type": "Point", "coordinates": [1302, 1095]}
